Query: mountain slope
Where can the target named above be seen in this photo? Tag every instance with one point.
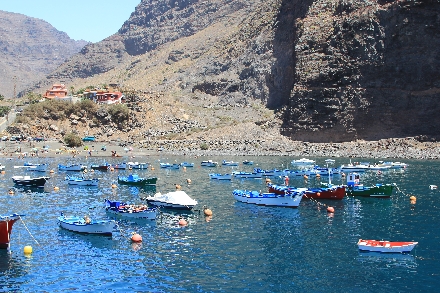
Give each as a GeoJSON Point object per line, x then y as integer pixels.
{"type": "Point", "coordinates": [30, 49]}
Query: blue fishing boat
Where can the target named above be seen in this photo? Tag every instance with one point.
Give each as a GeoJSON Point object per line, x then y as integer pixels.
{"type": "Point", "coordinates": [134, 179]}
{"type": "Point", "coordinates": [86, 225]}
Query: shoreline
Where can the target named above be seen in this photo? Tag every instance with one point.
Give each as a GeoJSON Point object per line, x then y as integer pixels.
{"type": "Point", "coordinates": [405, 148]}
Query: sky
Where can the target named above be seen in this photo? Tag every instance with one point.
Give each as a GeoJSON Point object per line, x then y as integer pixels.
{"type": "Point", "coordinates": [89, 20]}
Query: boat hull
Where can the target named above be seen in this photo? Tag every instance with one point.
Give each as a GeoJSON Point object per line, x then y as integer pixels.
{"type": "Point", "coordinates": [149, 214]}
{"type": "Point", "coordinates": [173, 200]}
{"type": "Point", "coordinates": [28, 181]}
{"type": "Point", "coordinates": [221, 176]}
{"type": "Point", "coordinates": [83, 182]}
{"type": "Point", "coordinates": [6, 223]}
{"type": "Point", "coordinates": [78, 225]}
{"type": "Point", "coordinates": [386, 246]}
{"type": "Point", "coordinates": [336, 192]}
{"type": "Point", "coordinates": [140, 182]}
{"type": "Point", "coordinates": [77, 168]}
{"type": "Point", "coordinates": [268, 199]}
{"type": "Point", "coordinates": [382, 191]}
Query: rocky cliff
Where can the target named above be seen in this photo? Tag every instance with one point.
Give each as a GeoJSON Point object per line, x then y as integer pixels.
{"type": "Point", "coordinates": [30, 49]}
{"type": "Point", "coordinates": [330, 70]}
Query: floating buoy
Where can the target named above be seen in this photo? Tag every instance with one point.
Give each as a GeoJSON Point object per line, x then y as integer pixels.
{"type": "Point", "coordinates": [188, 181]}
{"type": "Point", "coordinates": [112, 169]}
{"type": "Point", "coordinates": [184, 168]}
{"type": "Point", "coordinates": [152, 168]}
{"type": "Point", "coordinates": [207, 211]}
{"type": "Point", "coordinates": [114, 185]}
{"type": "Point", "coordinates": [412, 202]}
{"type": "Point", "coordinates": [56, 188]}
{"type": "Point", "coordinates": [412, 197]}
{"type": "Point", "coordinates": [306, 177]}
{"type": "Point", "coordinates": [268, 180]}
{"type": "Point", "coordinates": [3, 172]}
{"type": "Point", "coordinates": [318, 175]}
{"type": "Point", "coordinates": [11, 191]}
{"type": "Point", "coordinates": [51, 171]}
{"type": "Point", "coordinates": [330, 210]}
{"type": "Point", "coordinates": [182, 222]}
{"type": "Point", "coordinates": [136, 237]}
{"type": "Point", "coordinates": [432, 187]}
{"type": "Point", "coordinates": [318, 194]}
{"type": "Point", "coordinates": [178, 187]}
{"type": "Point", "coordinates": [27, 249]}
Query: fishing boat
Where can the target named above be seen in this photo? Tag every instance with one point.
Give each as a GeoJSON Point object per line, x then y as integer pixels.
{"type": "Point", "coordinates": [101, 167]}
{"type": "Point", "coordinates": [134, 179]}
{"type": "Point", "coordinates": [36, 167]}
{"type": "Point", "coordinates": [30, 181]}
{"type": "Point", "coordinates": [208, 163]}
{"type": "Point", "coordinates": [137, 165]}
{"type": "Point", "coordinates": [242, 174]}
{"type": "Point", "coordinates": [86, 225]}
{"type": "Point", "coordinates": [272, 172]}
{"type": "Point", "coordinates": [6, 223]}
{"type": "Point", "coordinates": [219, 176]}
{"type": "Point", "coordinates": [303, 162]}
{"type": "Point", "coordinates": [173, 200]}
{"type": "Point", "coordinates": [121, 166]}
{"type": "Point", "coordinates": [76, 167]}
{"type": "Point", "coordinates": [291, 200]}
{"type": "Point", "coordinates": [229, 163]}
{"type": "Point", "coordinates": [125, 210]}
{"type": "Point", "coordinates": [187, 164]}
{"type": "Point", "coordinates": [386, 246]}
{"type": "Point", "coordinates": [246, 162]}
{"type": "Point", "coordinates": [354, 167]}
{"type": "Point", "coordinates": [329, 192]}
{"type": "Point", "coordinates": [354, 188]}
{"type": "Point", "coordinates": [169, 166]}
{"type": "Point", "coordinates": [81, 181]}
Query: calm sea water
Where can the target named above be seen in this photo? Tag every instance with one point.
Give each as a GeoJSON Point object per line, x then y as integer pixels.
{"type": "Point", "coordinates": [241, 248]}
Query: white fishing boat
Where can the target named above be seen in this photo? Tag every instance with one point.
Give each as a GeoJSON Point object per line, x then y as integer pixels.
{"type": "Point", "coordinates": [242, 174]}
{"type": "Point", "coordinates": [81, 181]}
{"type": "Point", "coordinates": [219, 176]}
{"type": "Point", "coordinates": [303, 162]}
{"type": "Point", "coordinates": [291, 200]}
{"type": "Point", "coordinates": [86, 225]}
{"type": "Point", "coordinates": [75, 167]}
{"type": "Point", "coordinates": [386, 246]}
{"type": "Point", "coordinates": [174, 200]}
{"type": "Point", "coordinates": [208, 163]}
{"type": "Point", "coordinates": [36, 167]}
{"type": "Point", "coordinates": [137, 165]}
{"type": "Point", "coordinates": [121, 166]}
{"type": "Point", "coordinates": [229, 163]}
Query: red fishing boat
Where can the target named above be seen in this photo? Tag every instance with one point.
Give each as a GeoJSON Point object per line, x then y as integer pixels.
{"type": "Point", "coordinates": [328, 192]}
{"type": "Point", "coordinates": [6, 223]}
{"type": "Point", "coordinates": [386, 246]}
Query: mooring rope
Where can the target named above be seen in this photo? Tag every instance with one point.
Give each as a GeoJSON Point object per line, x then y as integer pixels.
{"type": "Point", "coordinates": [28, 230]}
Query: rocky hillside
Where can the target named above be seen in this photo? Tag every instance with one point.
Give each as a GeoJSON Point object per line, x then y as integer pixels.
{"type": "Point", "coordinates": [319, 71]}
{"type": "Point", "coordinates": [30, 49]}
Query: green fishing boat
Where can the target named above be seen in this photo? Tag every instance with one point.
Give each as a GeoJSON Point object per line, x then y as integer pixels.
{"type": "Point", "coordinates": [354, 188]}
{"type": "Point", "coordinates": [134, 179]}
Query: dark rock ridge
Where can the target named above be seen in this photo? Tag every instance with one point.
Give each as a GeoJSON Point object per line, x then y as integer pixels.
{"type": "Point", "coordinates": [30, 49]}
{"type": "Point", "coordinates": [334, 70]}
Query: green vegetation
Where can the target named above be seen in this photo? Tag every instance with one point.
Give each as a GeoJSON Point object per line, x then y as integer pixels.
{"type": "Point", "coordinates": [204, 146]}
{"type": "Point", "coordinates": [119, 113]}
{"type": "Point", "coordinates": [2, 97]}
{"type": "Point", "coordinates": [72, 140]}
{"type": "Point", "coordinates": [4, 110]}
{"type": "Point", "coordinates": [33, 98]}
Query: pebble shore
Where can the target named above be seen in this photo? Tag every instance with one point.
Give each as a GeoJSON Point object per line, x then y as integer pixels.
{"type": "Point", "coordinates": [395, 148]}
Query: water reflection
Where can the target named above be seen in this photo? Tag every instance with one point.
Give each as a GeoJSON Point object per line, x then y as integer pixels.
{"type": "Point", "coordinates": [98, 241]}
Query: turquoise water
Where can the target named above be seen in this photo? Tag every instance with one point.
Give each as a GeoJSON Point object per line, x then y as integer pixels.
{"type": "Point", "coordinates": [241, 248]}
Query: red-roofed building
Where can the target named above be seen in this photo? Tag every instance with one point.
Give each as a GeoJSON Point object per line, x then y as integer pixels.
{"type": "Point", "coordinates": [57, 91]}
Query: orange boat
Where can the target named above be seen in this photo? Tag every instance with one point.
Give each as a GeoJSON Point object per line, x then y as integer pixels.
{"type": "Point", "coordinates": [386, 246]}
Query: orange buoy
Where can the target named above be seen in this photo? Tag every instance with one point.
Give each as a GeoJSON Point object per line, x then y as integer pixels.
{"type": "Point", "coordinates": [178, 187]}
{"type": "Point", "coordinates": [330, 210]}
{"type": "Point", "coordinates": [152, 168]}
{"type": "Point", "coordinates": [136, 237]}
{"type": "Point", "coordinates": [56, 188]}
{"type": "Point", "coordinates": [306, 177]}
{"type": "Point", "coordinates": [52, 171]}
{"type": "Point", "coordinates": [318, 194]}
{"type": "Point", "coordinates": [182, 222]}
{"type": "Point", "coordinates": [11, 191]}
{"type": "Point", "coordinates": [184, 168]}
{"type": "Point", "coordinates": [112, 169]}
{"type": "Point", "coordinates": [412, 202]}
{"type": "Point", "coordinates": [318, 175]}
{"type": "Point", "coordinates": [114, 185]}
{"type": "Point", "coordinates": [412, 197]}
{"type": "Point", "coordinates": [3, 172]}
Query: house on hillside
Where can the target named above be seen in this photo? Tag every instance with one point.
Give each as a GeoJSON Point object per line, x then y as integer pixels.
{"type": "Point", "coordinates": [57, 91]}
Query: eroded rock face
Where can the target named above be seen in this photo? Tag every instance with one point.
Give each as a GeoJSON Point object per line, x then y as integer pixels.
{"type": "Point", "coordinates": [335, 70]}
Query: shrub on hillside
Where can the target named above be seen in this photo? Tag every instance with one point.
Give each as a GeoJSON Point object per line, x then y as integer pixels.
{"type": "Point", "coordinates": [119, 113]}
{"type": "Point", "coordinates": [72, 140]}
